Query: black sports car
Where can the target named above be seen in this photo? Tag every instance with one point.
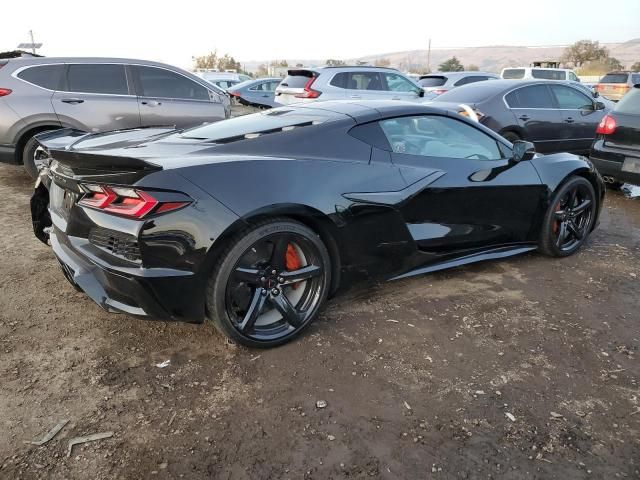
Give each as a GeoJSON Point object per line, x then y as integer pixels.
{"type": "Point", "coordinates": [254, 221]}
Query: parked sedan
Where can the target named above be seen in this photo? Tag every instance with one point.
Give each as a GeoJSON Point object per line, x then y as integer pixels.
{"type": "Point", "coordinates": [254, 221]}
{"type": "Point", "coordinates": [435, 84]}
{"type": "Point", "coordinates": [256, 93]}
{"type": "Point", "coordinates": [556, 116]}
{"type": "Point", "coordinates": [616, 150]}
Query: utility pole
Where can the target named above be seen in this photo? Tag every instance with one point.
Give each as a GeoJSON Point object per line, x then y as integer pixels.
{"type": "Point", "coordinates": [429, 57]}
{"type": "Point", "coordinates": [33, 45]}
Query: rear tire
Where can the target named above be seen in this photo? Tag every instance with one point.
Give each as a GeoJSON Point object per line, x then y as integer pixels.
{"type": "Point", "coordinates": [255, 296]}
{"type": "Point", "coordinates": [569, 218]}
{"type": "Point", "coordinates": [31, 154]}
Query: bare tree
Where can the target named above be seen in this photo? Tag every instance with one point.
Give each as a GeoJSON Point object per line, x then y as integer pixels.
{"type": "Point", "coordinates": [584, 51]}
{"type": "Point", "coordinates": [382, 62]}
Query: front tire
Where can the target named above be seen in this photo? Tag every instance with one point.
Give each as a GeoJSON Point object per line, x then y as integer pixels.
{"type": "Point", "coordinates": [569, 218]}
{"type": "Point", "coordinates": [269, 283]}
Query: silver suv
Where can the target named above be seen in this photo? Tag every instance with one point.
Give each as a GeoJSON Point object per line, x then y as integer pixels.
{"type": "Point", "coordinates": [340, 83]}
{"type": "Point", "coordinates": [94, 95]}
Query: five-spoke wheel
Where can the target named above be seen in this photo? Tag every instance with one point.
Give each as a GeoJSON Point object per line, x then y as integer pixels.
{"type": "Point", "coordinates": [570, 218]}
{"type": "Point", "coordinates": [269, 284]}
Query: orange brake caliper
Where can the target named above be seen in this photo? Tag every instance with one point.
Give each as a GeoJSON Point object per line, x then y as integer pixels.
{"type": "Point", "coordinates": [292, 261]}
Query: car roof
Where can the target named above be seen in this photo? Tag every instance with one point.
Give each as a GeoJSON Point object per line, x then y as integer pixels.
{"type": "Point", "coordinates": [368, 110]}
{"type": "Point", "coordinates": [23, 61]}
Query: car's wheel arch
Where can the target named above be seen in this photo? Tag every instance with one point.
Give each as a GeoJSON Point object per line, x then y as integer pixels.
{"type": "Point", "coordinates": [516, 129]}
{"type": "Point", "coordinates": [309, 216]}
{"type": "Point", "coordinates": [30, 131]}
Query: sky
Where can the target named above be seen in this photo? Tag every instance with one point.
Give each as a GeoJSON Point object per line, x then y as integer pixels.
{"type": "Point", "coordinates": [174, 32]}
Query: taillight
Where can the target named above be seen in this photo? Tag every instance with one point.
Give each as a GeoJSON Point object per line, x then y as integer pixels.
{"type": "Point", "coordinates": [5, 91]}
{"type": "Point", "coordinates": [606, 126]}
{"type": "Point", "coordinates": [308, 91]}
{"type": "Point", "coordinates": [438, 92]}
{"type": "Point", "coordinates": [128, 202]}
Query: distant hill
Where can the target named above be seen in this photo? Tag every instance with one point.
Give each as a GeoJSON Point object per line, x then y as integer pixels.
{"type": "Point", "coordinates": [492, 58]}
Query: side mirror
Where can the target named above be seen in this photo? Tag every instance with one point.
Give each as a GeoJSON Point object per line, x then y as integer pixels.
{"type": "Point", "coordinates": [600, 106]}
{"type": "Point", "coordinates": [421, 93]}
{"type": "Point", "coordinates": [523, 151]}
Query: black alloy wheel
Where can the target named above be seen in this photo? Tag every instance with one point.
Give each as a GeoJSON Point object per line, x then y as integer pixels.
{"type": "Point", "coordinates": [269, 284]}
{"type": "Point", "coordinates": [569, 219]}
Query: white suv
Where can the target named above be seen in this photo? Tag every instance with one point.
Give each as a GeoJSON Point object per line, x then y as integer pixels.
{"type": "Point", "coordinates": [539, 73]}
{"type": "Point", "coordinates": [344, 83]}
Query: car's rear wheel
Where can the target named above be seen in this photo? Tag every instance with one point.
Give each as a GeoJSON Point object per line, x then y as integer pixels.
{"type": "Point", "coordinates": [269, 283]}
{"type": "Point", "coordinates": [569, 218]}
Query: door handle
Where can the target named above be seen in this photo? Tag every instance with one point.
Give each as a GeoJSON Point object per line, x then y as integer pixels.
{"type": "Point", "coordinates": [395, 98]}
{"type": "Point", "coordinates": [569, 120]}
{"type": "Point", "coordinates": [151, 103]}
{"type": "Point", "coordinates": [72, 101]}
{"type": "Point", "coordinates": [355, 96]}
{"type": "Point", "coordinates": [524, 117]}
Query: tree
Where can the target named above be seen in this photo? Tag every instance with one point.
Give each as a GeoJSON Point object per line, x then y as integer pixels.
{"type": "Point", "coordinates": [584, 51]}
{"type": "Point", "coordinates": [451, 65]}
{"type": "Point", "coordinates": [228, 63]}
{"type": "Point", "coordinates": [472, 68]}
{"type": "Point", "coordinates": [262, 70]}
{"type": "Point", "coordinates": [382, 62]}
{"type": "Point", "coordinates": [209, 61]}
{"type": "Point", "coordinates": [635, 67]}
{"type": "Point", "coordinates": [332, 62]}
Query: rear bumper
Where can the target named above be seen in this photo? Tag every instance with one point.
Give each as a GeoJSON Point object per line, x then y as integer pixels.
{"type": "Point", "coordinates": [159, 294]}
{"type": "Point", "coordinates": [609, 162]}
{"type": "Point", "coordinates": [8, 153]}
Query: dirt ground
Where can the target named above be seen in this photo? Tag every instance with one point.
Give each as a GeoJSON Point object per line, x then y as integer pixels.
{"type": "Point", "coordinates": [525, 368]}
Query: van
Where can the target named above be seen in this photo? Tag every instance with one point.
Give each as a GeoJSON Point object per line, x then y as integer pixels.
{"type": "Point", "coordinates": [538, 73]}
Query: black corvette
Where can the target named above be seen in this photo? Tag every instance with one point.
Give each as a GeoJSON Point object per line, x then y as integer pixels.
{"type": "Point", "coordinates": [253, 222]}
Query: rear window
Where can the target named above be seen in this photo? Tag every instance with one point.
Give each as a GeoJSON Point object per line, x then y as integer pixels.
{"type": "Point", "coordinates": [534, 96]}
{"type": "Point", "coordinates": [97, 78]}
{"type": "Point", "coordinates": [432, 81]}
{"type": "Point", "coordinates": [615, 78]}
{"type": "Point", "coordinates": [474, 93]}
{"type": "Point", "coordinates": [297, 79]}
{"type": "Point", "coordinates": [471, 79]}
{"type": "Point", "coordinates": [257, 124]}
{"type": "Point", "coordinates": [630, 103]}
{"type": "Point", "coordinates": [513, 73]}
{"type": "Point", "coordinates": [45, 76]}
{"type": "Point", "coordinates": [548, 74]}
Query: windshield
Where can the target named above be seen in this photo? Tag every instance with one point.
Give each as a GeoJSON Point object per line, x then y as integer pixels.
{"type": "Point", "coordinates": [513, 73]}
{"type": "Point", "coordinates": [432, 81]}
{"type": "Point", "coordinates": [630, 103]}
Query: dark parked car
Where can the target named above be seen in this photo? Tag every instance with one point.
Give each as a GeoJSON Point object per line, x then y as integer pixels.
{"type": "Point", "coordinates": [555, 116]}
{"type": "Point", "coordinates": [616, 150]}
{"type": "Point", "coordinates": [256, 93]}
{"type": "Point", "coordinates": [96, 94]}
{"type": "Point", "coordinates": [254, 221]}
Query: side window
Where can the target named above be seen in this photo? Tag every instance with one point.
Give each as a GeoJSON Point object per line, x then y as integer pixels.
{"type": "Point", "coordinates": [437, 136]}
{"type": "Point", "coordinates": [272, 86]}
{"type": "Point", "coordinates": [158, 82]}
{"type": "Point", "coordinates": [571, 99]}
{"type": "Point", "coordinates": [340, 80]}
{"type": "Point", "coordinates": [534, 96]}
{"type": "Point", "coordinates": [97, 78]}
{"type": "Point", "coordinates": [471, 79]}
{"type": "Point", "coordinates": [365, 81]}
{"type": "Point", "coordinates": [397, 83]}
{"type": "Point", "coordinates": [573, 77]}
{"type": "Point", "coordinates": [45, 76]}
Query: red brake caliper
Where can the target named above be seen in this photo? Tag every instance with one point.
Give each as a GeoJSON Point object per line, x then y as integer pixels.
{"type": "Point", "coordinates": [292, 261]}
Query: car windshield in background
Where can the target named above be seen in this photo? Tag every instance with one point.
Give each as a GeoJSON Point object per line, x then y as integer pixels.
{"type": "Point", "coordinates": [513, 73]}
{"type": "Point", "coordinates": [630, 103]}
{"type": "Point", "coordinates": [296, 80]}
{"type": "Point", "coordinates": [635, 78]}
{"type": "Point", "coordinates": [432, 81]}
{"type": "Point", "coordinates": [614, 78]}
{"type": "Point", "coordinates": [259, 123]}
{"type": "Point", "coordinates": [547, 74]}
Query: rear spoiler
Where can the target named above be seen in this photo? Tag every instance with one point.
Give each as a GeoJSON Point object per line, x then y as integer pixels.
{"type": "Point", "coordinates": [93, 160]}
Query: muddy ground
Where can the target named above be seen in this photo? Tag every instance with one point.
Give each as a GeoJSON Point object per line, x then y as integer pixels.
{"type": "Point", "coordinates": [524, 368]}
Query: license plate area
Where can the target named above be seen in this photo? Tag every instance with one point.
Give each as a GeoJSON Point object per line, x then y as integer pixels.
{"type": "Point", "coordinates": [61, 200]}
{"type": "Point", "coordinates": [631, 165]}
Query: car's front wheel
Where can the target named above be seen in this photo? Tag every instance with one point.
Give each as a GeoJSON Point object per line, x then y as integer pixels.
{"type": "Point", "coordinates": [569, 218]}
{"type": "Point", "coordinates": [269, 283]}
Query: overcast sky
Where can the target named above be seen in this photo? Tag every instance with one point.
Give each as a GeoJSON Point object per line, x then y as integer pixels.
{"type": "Point", "coordinates": [173, 32]}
